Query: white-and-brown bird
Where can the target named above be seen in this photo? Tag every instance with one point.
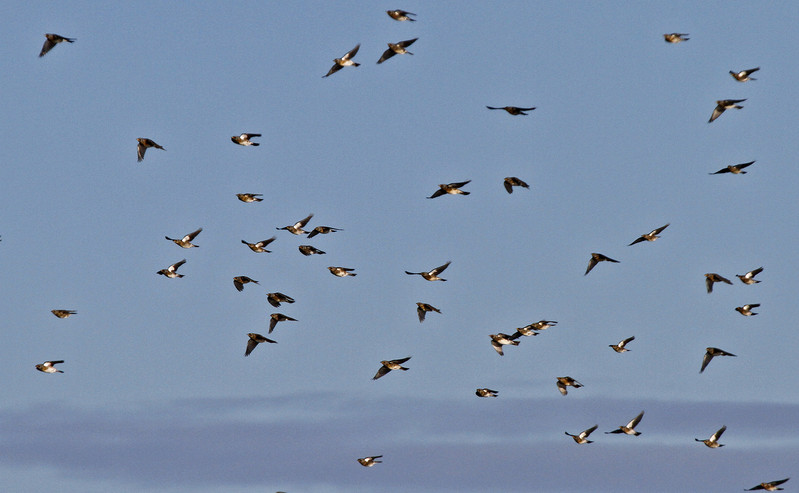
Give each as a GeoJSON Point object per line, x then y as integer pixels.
{"type": "Point", "coordinates": [185, 242]}
{"type": "Point", "coordinates": [743, 75]}
{"type": "Point", "coordinates": [746, 310]}
{"type": "Point", "coordinates": [423, 308]}
{"type": "Point", "coordinates": [499, 339]}
{"type": "Point", "coordinates": [485, 392]}
{"type": "Point", "coordinates": [749, 277]}
{"type": "Point", "coordinates": [676, 37]}
{"type": "Point", "coordinates": [143, 145]}
{"type": "Point", "coordinates": [254, 340]}
{"type": "Point", "coordinates": [400, 15]}
{"type": "Point", "coordinates": [244, 139]}
{"type": "Point", "coordinates": [52, 40]}
{"type": "Point", "coordinates": [651, 236]}
{"type": "Point", "coordinates": [595, 259]}
{"type": "Point", "coordinates": [563, 382]}
{"type": "Point", "coordinates": [620, 347]}
{"type": "Point", "coordinates": [342, 271]}
{"type": "Point", "coordinates": [259, 247]}
{"type": "Point", "coordinates": [582, 437]}
{"type": "Point", "coordinates": [725, 104]}
{"type": "Point", "coordinates": [296, 228]}
{"type": "Point", "coordinates": [770, 486]}
{"type": "Point", "coordinates": [736, 169]}
{"type": "Point", "coordinates": [388, 365]}
{"type": "Point", "coordinates": [397, 49]}
{"type": "Point", "coordinates": [433, 274]}
{"type": "Point", "coordinates": [370, 461]}
{"type": "Point", "coordinates": [344, 61]}
{"type": "Point", "coordinates": [49, 366]}
{"type": "Point", "coordinates": [63, 313]}
{"type": "Point", "coordinates": [450, 188]}
{"type": "Point", "coordinates": [711, 353]}
{"type": "Point", "coordinates": [713, 441]}
{"type": "Point", "coordinates": [322, 230]}
{"type": "Point", "coordinates": [712, 278]}
{"type": "Point", "coordinates": [240, 281]}
{"type": "Point", "coordinates": [629, 428]}
{"type": "Point", "coordinates": [172, 271]}
{"type": "Point", "coordinates": [250, 197]}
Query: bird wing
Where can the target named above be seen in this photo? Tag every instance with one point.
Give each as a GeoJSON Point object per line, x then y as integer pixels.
{"type": "Point", "coordinates": [709, 284]}
{"type": "Point", "coordinates": [380, 372]}
{"type": "Point", "coordinates": [637, 240]}
{"type": "Point", "coordinates": [238, 284]}
{"type": "Point", "coordinates": [660, 229]}
{"type": "Point", "coordinates": [459, 184]}
{"type": "Point", "coordinates": [48, 45]}
{"type": "Point", "coordinates": [266, 242]}
{"type": "Point", "coordinates": [272, 324]}
{"type": "Point", "coordinates": [624, 342]}
{"type": "Point", "coordinates": [407, 42]}
{"type": "Point", "coordinates": [250, 346]}
{"type": "Point", "coordinates": [634, 422]}
{"type": "Point", "coordinates": [744, 165]}
{"type": "Point", "coordinates": [717, 111]}
{"type": "Point", "coordinates": [438, 270]}
{"type": "Point", "coordinates": [718, 434]}
{"type": "Point", "coordinates": [754, 272]}
{"type": "Point", "coordinates": [386, 55]}
{"type": "Point", "coordinates": [706, 360]}
{"type": "Point", "coordinates": [191, 235]}
{"type": "Point", "coordinates": [400, 361]}
{"type": "Point", "coordinates": [176, 265]}
{"type": "Point", "coordinates": [351, 53]}
{"type": "Point", "coordinates": [497, 347]}
{"type": "Point", "coordinates": [561, 388]}
{"type": "Point", "coordinates": [437, 193]}
{"type": "Point", "coordinates": [591, 263]}
{"type": "Point", "coordinates": [140, 150]}
{"type": "Point", "coordinates": [587, 432]}
{"type": "Point", "coordinates": [508, 186]}
{"type": "Point", "coordinates": [421, 312]}
{"type": "Point", "coordinates": [722, 170]}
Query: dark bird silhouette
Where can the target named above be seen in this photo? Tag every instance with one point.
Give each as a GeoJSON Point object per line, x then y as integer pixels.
{"type": "Point", "coordinates": [710, 353]}
{"type": "Point", "coordinates": [278, 317]}
{"type": "Point", "coordinates": [254, 340]}
{"type": "Point", "coordinates": [49, 366]}
{"type": "Point", "coordinates": [450, 188]}
{"type": "Point", "coordinates": [63, 313]}
{"type": "Point", "coordinates": [400, 15]}
{"type": "Point", "coordinates": [770, 486]}
{"type": "Point", "coordinates": [397, 49]}
{"type": "Point", "coordinates": [433, 274]}
{"type": "Point", "coordinates": [723, 105]}
{"type": "Point", "coordinates": [711, 278]}
{"type": "Point", "coordinates": [513, 110]}
{"type": "Point", "coordinates": [370, 461]}
{"type": "Point", "coordinates": [423, 308]}
{"type": "Point", "coordinates": [322, 230]}
{"type": "Point", "coordinates": [172, 271]}
{"type": "Point", "coordinates": [512, 181]}
{"type": "Point", "coordinates": [651, 236]}
{"type": "Point", "coordinates": [145, 144]}
{"type": "Point", "coordinates": [620, 347]}
{"type": "Point", "coordinates": [275, 299]}
{"type": "Point", "coordinates": [735, 169]}
{"type": "Point", "coordinates": [486, 393]}
{"type": "Point", "coordinates": [250, 197]}
{"type": "Point", "coordinates": [51, 41]}
{"type": "Point", "coordinates": [595, 259]}
{"type": "Point", "coordinates": [746, 310]}
{"type": "Point", "coordinates": [563, 382]}
{"type": "Point", "coordinates": [240, 281]}
{"type": "Point", "coordinates": [309, 250]}
{"type": "Point", "coordinates": [342, 271]}
{"type": "Point", "coordinates": [394, 364]}
{"type": "Point", "coordinates": [749, 277]}
{"type": "Point", "coordinates": [296, 228]}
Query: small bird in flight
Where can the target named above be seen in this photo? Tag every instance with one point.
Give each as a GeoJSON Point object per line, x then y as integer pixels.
{"type": "Point", "coordinates": [423, 308]}
{"type": "Point", "coordinates": [296, 228]}
{"type": "Point", "coordinates": [254, 340]}
{"type": "Point", "coordinates": [499, 339]}
{"type": "Point", "coordinates": [51, 41]}
{"type": "Point", "coordinates": [400, 15]}
{"type": "Point", "coordinates": [735, 169]}
{"type": "Point", "coordinates": [564, 382]}
{"type": "Point", "coordinates": [746, 310]}
{"type": "Point", "coordinates": [259, 247]}
{"type": "Point", "coordinates": [370, 461]}
{"type": "Point", "coordinates": [595, 259]}
{"type": "Point", "coordinates": [770, 486]}
{"type": "Point", "coordinates": [749, 277]}
{"type": "Point", "coordinates": [185, 242]}
{"type": "Point", "coordinates": [743, 75]}
{"type": "Point", "coordinates": [450, 188]}
{"type": "Point", "coordinates": [394, 364]}
{"type": "Point", "coordinates": [433, 274]}
{"type": "Point", "coordinates": [486, 393]}
{"type": "Point", "coordinates": [278, 317]}
{"type": "Point", "coordinates": [711, 278]}
{"type": "Point", "coordinates": [344, 61]}
{"type": "Point", "coordinates": [725, 104]}
{"type": "Point", "coordinates": [651, 236]}
{"type": "Point", "coordinates": [620, 347]}
{"type": "Point", "coordinates": [513, 110]}
{"type": "Point", "coordinates": [275, 299]}
{"type": "Point", "coordinates": [397, 49]}
{"type": "Point", "coordinates": [342, 271]}
{"type": "Point", "coordinates": [49, 367]}
{"type": "Point", "coordinates": [629, 428]}
{"type": "Point", "coordinates": [145, 144]}
{"type": "Point", "coordinates": [583, 436]}
{"type": "Point", "coordinates": [713, 441]}
{"type": "Point", "coordinates": [710, 353]}
{"type": "Point", "coordinates": [172, 271]}
{"type": "Point", "coordinates": [322, 230]}
{"type": "Point", "coordinates": [676, 37]}
{"type": "Point", "coordinates": [250, 197]}
{"type": "Point", "coordinates": [63, 313]}
{"type": "Point", "coordinates": [240, 281]}
{"type": "Point", "coordinates": [310, 250]}
{"type": "Point", "coordinates": [512, 181]}
{"type": "Point", "coordinates": [244, 139]}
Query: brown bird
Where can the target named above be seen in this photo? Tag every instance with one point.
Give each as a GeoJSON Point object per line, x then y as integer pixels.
{"type": "Point", "coordinates": [275, 299]}
{"type": "Point", "coordinates": [619, 348]}
{"type": "Point", "coordinates": [254, 340]}
{"type": "Point", "coordinates": [145, 144]}
{"type": "Point", "coordinates": [309, 250]}
{"type": "Point", "coordinates": [342, 271]}
{"type": "Point", "coordinates": [250, 197]}
{"type": "Point", "coordinates": [499, 339]}
{"type": "Point", "coordinates": [433, 274]}
{"type": "Point", "coordinates": [278, 317]}
{"type": "Point", "coordinates": [397, 49]}
{"type": "Point", "coordinates": [675, 37]}
{"type": "Point", "coordinates": [743, 75]}
{"type": "Point", "coordinates": [711, 278]}
{"type": "Point", "coordinates": [734, 169]}
{"type": "Point", "coordinates": [49, 367]}
{"type": "Point", "coordinates": [394, 364]}
{"type": "Point", "coordinates": [322, 230]}
{"type": "Point", "coordinates": [513, 110]}
{"type": "Point", "coordinates": [185, 242]}
{"type": "Point", "coordinates": [723, 105]}
{"type": "Point", "coordinates": [244, 139]}
{"type": "Point", "coordinates": [63, 313]}
{"type": "Point", "coordinates": [512, 181]}
{"type": "Point", "coordinates": [370, 461]}
{"type": "Point", "coordinates": [746, 310]}
{"type": "Point", "coordinates": [651, 236]}
{"type": "Point", "coordinates": [51, 41]}
{"type": "Point", "coordinates": [770, 486]}
{"type": "Point", "coordinates": [172, 271]}
{"type": "Point", "coordinates": [749, 277]}
{"type": "Point", "coordinates": [296, 228]}
{"type": "Point", "coordinates": [423, 308]}
{"type": "Point", "coordinates": [259, 247]}
{"type": "Point", "coordinates": [595, 259]}
{"type": "Point", "coordinates": [240, 281]}
{"type": "Point", "coordinates": [344, 61]}
{"type": "Point", "coordinates": [710, 353]}
{"type": "Point", "coordinates": [583, 436]}
{"type": "Point", "coordinates": [486, 393]}
{"type": "Point", "coordinates": [713, 441]}
{"type": "Point", "coordinates": [400, 15]}
{"type": "Point", "coordinates": [450, 188]}
{"type": "Point", "coordinates": [629, 428]}
{"type": "Point", "coordinates": [564, 382]}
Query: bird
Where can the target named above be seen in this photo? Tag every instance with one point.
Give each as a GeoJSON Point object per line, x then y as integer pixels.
{"type": "Point", "coordinates": [254, 340]}
{"type": "Point", "coordinates": [713, 441]}
{"type": "Point", "coordinates": [309, 250]}
{"type": "Point", "coordinates": [770, 486]}
{"type": "Point", "coordinates": [450, 188]}
{"type": "Point", "coordinates": [143, 145]}
{"type": "Point", "coordinates": [49, 366]}
{"type": "Point", "coordinates": [629, 428]}
{"type": "Point", "coordinates": [564, 382]}
{"type": "Point", "coordinates": [344, 61]}
{"type": "Point", "coordinates": [651, 236]}
{"type": "Point", "coordinates": [595, 259]}
{"type": "Point", "coordinates": [513, 110]}
{"type": "Point", "coordinates": [51, 41]}
{"type": "Point", "coordinates": [185, 242]}
{"type": "Point", "coordinates": [322, 230]}
{"type": "Point", "coordinates": [63, 313]}
{"type": "Point", "coordinates": [620, 347]}
{"type": "Point", "coordinates": [244, 139]}
{"type": "Point", "coordinates": [259, 247]}
{"type": "Point", "coordinates": [743, 75]}
{"type": "Point", "coordinates": [370, 461]}
{"type": "Point", "coordinates": [710, 353]}
{"type": "Point", "coordinates": [512, 181]}
{"type": "Point", "coordinates": [400, 15]}
{"type": "Point", "coordinates": [397, 49]}
{"type": "Point", "coordinates": [583, 436]}
{"type": "Point", "coordinates": [387, 366]}
{"type": "Point", "coordinates": [746, 310]}
{"type": "Point", "coordinates": [711, 278]}
{"type": "Point", "coordinates": [296, 228]}
{"type": "Point", "coordinates": [172, 271]}
{"type": "Point", "coordinates": [275, 299]}
{"type": "Point", "coordinates": [749, 277]}
{"type": "Point", "coordinates": [676, 37]}
{"type": "Point", "coordinates": [423, 308]}
{"type": "Point", "coordinates": [433, 274]}
{"type": "Point", "coordinates": [499, 339]}
{"type": "Point", "coordinates": [342, 271]}
{"type": "Point", "coordinates": [725, 104]}
{"type": "Point", "coordinates": [486, 393]}
{"type": "Point", "coordinates": [526, 331]}
{"type": "Point", "coordinates": [543, 324]}
{"type": "Point", "coordinates": [240, 281]}
{"type": "Point", "coordinates": [735, 169]}
{"type": "Point", "coordinates": [278, 317]}
{"type": "Point", "coordinates": [250, 197]}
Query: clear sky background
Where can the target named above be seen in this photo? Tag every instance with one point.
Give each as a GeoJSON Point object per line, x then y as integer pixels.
{"type": "Point", "coordinates": [156, 393]}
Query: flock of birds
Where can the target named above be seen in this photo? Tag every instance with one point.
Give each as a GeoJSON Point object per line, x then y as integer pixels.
{"type": "Point", "coordinates": [498, 340]}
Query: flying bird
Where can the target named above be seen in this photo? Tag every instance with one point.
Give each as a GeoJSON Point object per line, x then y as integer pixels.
{"type": "Point", "coordinates": [344, 61]}
{"type": "Point", "coordinates": [244, 139]}
{"type": "Point", "coordinates": [629, 428]}
{"type": "Point", "coordinates": [394, 364]}
{"type": "Point", "coordinates": [746, 310]}
{"type": "Point", "coordinates": [370, 461]}
{"type": "Point", "coordinates": [743, 75]}
{"type": "Point", "coordinates": [309, 250]}
{"type": "Point", "coordinates": [583, 436]}
{"type": "Point", "coordinates": [240, 281]}
{"type": "Point", "coordinates": [543, 324]}
{"type": "Point", "coordinates": [499, 339]}
{"type": "Point", "coordinates": [676, 37]}
{"type": "Point", "coordinates": [145, 144]}
{"type": "Point", "coordinates": [397, 49]}
{"type": "Point", "coordinates": [595, 259]}
{"type": "Point", "coordinates": [711, 278]}
{"type": "Point", "coordinates": [564, 382]}
{"type": "Point", "coordinates": [342, 271]}
{"type": "Point", "coordinates": [770, 486]}
{"type": "Point", "coordinates": [172, 271]}
{"type": "Point", "coordinates": [51, 41]}
{"type": "Point", "coordinates": [513, 110]}
{"type": "Point", "coordinates": [250, 197]}
{"type": "Point", "coordinates": [486, 393]}
{"type": "Point", "coordinates": [185, 242]}
{"type": "Point", "coordinates": [322, 230]}
{"type": "Point", "coordinates": [620, 347]}
{"type": "Point", "coordinates": [400, 15]}
{"type": "Point", "coordinates": [526, 331]}
{"type": "Point", "coordinates": [713, 441]}
{"type": "Point", "coordinates": [651, 236]}
{"type": "Point", "coordinates": [63, 313]}
{"type": "Point", "coordinates": [749, 277]}
{"type": "Point", "coordinates": [512, 181]}
{"type": "Point", "coordinates": [254, 340]}
{"type": "Point", "coordinates": [259, 247]}
{"type": "Point", "coordinates": [278, 317]}
{"type": "Point", "coordinates": [49, 367]}
{"type": "Point", "coordinates": [735, 169]}
{"type": "Point", "coordinates": [275, 299]}
{"type": "Point", "coordinates": [450, 188]}
{"type": "Point", "coordinates": [710, 353]}
{"type": "Point", "coordinates": [423, 308]}
{"type": "Point", "coordinates": [433, 274]}
{"type": "Point", "coordinates": [296, 228]}
{"type": "Point", "coordinates": [725, 104]}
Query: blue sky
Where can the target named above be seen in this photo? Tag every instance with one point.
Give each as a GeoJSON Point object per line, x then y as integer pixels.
{"type": "Point", "coordinates": [157, 395]}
